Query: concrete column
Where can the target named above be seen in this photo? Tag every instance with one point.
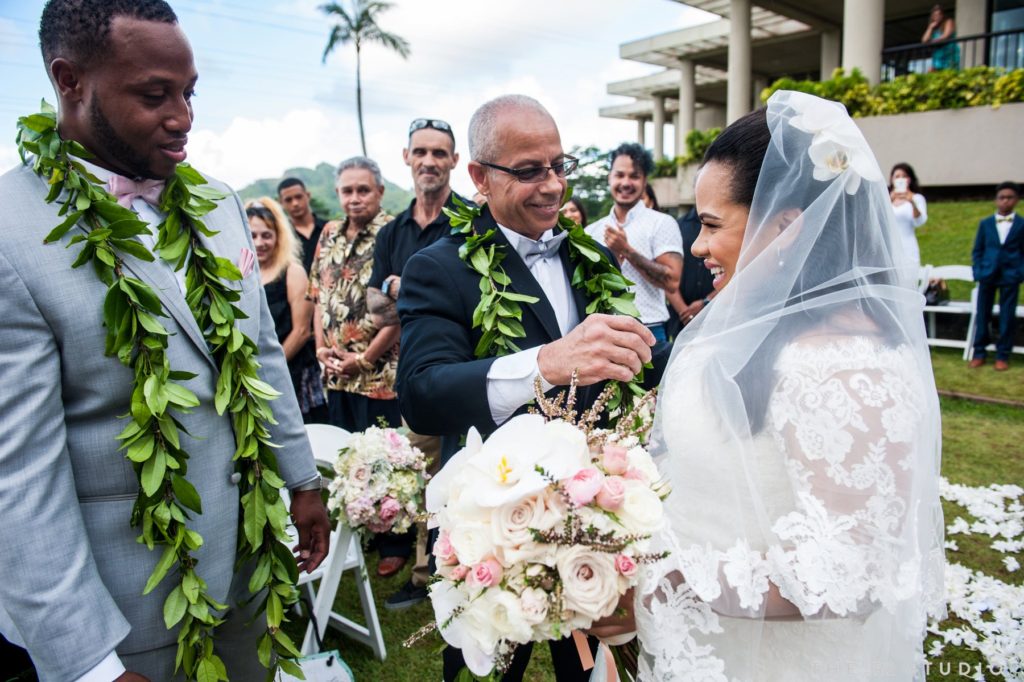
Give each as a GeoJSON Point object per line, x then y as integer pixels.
{"type": "Point", "coordinates": [971, 21]}
{"type": "Point", "coordinates": [659, 127]}
{"type": "Point", "coordinates": [760, 83]}
{"type": "Point", "coordinates": [687, 104]}
{"type": "Point", "coordinates": [829, 53]}
{"type": "Point", "coordinates": [641, 132]}
{"type": "Point", "coordinates": [739, 85]}
{"type": "Point", "coordinates": [863, 33]}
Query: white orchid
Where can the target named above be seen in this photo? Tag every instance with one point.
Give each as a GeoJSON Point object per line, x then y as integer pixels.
{"type": "Point", "coordinates": [838, 148]}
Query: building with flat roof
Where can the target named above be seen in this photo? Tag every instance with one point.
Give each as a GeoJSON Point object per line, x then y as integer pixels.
{"type": "Point", "coordinates": [711, 74]}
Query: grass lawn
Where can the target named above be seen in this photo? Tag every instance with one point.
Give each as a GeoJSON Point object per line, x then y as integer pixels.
{"type": "Point", "coordinates": [948, 236]}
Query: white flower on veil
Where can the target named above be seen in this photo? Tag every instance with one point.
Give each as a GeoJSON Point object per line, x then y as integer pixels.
{"type": "Point", "coordinates": [838, 148]}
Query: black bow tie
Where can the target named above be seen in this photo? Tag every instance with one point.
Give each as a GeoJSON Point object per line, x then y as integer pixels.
{"type": "Point", "coordinates": [532, 251]}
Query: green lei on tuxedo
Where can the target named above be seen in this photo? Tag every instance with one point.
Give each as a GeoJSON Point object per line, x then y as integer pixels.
{"type": "Point", "coordinates": [499, 313]}
{"type": "Point", "coordinates": [151, 435]}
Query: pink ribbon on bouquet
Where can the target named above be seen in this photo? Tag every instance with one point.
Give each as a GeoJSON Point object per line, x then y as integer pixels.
{"type": "Point", "coordinates": [587, 658]}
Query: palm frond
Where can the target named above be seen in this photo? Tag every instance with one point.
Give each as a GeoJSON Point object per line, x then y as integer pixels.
{"type": "Point", "coordinates": [388, 40]}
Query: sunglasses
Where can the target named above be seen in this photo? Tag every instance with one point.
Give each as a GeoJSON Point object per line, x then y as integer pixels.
{"type": "Point", "coordinates": [435, 123]}
{"type": "Point", "coordinates": [531, 174]}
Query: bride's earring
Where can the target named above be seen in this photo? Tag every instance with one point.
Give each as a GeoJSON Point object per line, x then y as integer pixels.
{"type": "Point", "coordinates": [778, 254]}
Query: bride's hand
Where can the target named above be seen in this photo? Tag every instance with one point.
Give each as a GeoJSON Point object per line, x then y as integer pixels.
{"type": "Point", "coordinates": [621, 622]}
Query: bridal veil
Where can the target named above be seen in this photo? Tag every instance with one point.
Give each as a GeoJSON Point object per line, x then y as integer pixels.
{"type": "Point", "coordinates": [798, 424]}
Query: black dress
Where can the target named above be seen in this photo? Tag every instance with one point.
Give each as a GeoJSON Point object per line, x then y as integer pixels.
{"type": "Point", "coordinates": [304, 368]}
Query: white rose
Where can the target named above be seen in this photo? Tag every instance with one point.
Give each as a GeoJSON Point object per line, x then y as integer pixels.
{"type": "Point", "coordinates": [642, 510]}
{"type": "Point", "coordinates": [511, 526]}
{"type": "Point", "coordinates": [641, 460]}
{"type": "Point", "coordinates": [590, 583]}
{"type": "Point", "coordinates": [534, 603]}
{"type": "Point", "coordinates": [471, 541]}
{"type": "Point", "coordinates": [495, 615]}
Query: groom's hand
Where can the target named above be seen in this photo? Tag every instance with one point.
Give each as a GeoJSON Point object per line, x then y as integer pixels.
{"type": "Point", "coordinates": [601, 347]}
{"type": "Point", "coordinates": [310, 519]}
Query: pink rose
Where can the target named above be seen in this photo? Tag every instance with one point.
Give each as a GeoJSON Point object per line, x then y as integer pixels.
{"type": "Point", "coordinates": [625, 565]}
{"type": "Point", "coordinates": [584, 486]}
{"type": "Point", "coordinates": [459, 572]}
{"type": "Point", "coordinates": [487, 573]}
{"type": "Point", "coordinates": [444, 551]}
{"type": "Point", "coordinates": [614, 459]}
{"type": "Point", "coordinates": [612, 493]}
{"type": "Point", "coordinates": [634, 474]}
{"type": "Point", "coordinates": [389, 508]}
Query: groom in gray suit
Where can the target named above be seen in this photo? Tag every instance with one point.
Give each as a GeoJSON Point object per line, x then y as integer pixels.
{"type": "Point", "coordinates": [71, 571]}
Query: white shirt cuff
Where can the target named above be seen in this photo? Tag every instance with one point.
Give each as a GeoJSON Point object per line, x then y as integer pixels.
{"type": "Point", "coordinates": [510, 383]}
{"type": "Point", "coordinates": [107, 670]}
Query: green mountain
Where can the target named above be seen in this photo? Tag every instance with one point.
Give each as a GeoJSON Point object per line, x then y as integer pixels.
{"type": "Point", "coordinates": [320, 183]}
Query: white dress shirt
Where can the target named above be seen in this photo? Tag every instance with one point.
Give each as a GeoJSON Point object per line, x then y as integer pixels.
{"type": "Point", "coordinates": [510, 378]}
{"type": "Point", "coordinates": [1003, 226]}
{"type": "Point", "coordinates": [652, 234]}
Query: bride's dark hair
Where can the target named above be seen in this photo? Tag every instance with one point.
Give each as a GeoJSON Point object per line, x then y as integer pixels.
{"type": "Point", "coordinates": [742, 147]}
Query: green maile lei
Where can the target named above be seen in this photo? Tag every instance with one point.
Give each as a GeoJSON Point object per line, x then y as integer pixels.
{"type": "Point", "coordinates": [151, 438]}
{"type": "Point", "coordinates": [499, 313]}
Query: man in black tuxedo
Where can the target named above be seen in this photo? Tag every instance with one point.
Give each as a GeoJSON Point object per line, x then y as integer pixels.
{"type": "Point", "coordinates": [519, 166]}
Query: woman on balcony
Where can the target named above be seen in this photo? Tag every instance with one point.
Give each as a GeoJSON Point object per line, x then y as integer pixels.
{"type": "Point", "coordinates": [940, 28]}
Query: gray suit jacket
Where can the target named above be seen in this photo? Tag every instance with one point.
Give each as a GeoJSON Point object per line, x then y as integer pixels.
{"type": "Point", "coordinates": [71, 572]}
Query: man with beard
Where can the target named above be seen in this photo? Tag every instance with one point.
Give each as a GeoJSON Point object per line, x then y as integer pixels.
{"type": "Point", "coordinates": [73, 570]}
{"type": "Point", "coordinates": [294, 197]}
{"type": "Point", "coordinates": [646, 242]}
{"type": "Point", "coordinates": [431, 155]}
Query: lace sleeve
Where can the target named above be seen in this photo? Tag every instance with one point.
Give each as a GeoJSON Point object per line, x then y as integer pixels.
{"type": "Point", "coordinates": [846, 420]}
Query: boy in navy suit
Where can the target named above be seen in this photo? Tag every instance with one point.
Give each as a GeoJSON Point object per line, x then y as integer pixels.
{"type": "Point", "coordinates": [998, 263]}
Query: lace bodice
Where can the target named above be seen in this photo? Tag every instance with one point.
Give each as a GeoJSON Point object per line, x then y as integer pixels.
{"type": "Point", "coordinates": [793, 549]}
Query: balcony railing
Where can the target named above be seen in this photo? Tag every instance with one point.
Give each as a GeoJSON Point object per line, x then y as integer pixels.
{"type": "Point", "coordinates": [1003, 49]}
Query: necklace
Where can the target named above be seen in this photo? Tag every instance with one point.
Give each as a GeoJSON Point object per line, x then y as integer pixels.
{"type": "Point", "coordinates": [499, 313]}
{"type": "Point", "coordinates": [151, 437]}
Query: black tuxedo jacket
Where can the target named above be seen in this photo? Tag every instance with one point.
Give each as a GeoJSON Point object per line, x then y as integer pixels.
{"type": "Point", "coordinates": [441, 385]}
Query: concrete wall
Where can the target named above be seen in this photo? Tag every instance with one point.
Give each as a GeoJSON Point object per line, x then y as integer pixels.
{"type": "Point", "coordinates": [953, 147]}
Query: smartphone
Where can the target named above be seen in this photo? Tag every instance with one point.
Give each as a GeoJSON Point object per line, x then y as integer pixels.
{"type": "Point", "coordinates": [900, 184]}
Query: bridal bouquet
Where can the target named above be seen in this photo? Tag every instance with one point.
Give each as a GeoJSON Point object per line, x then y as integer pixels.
{"type": "Point", "coordinates": [378, 479]}
{"type": "Point", "coordinates": [542, 529]}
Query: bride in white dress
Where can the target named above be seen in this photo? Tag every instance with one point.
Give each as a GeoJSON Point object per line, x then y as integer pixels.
{"type": "Point", "coordinates": [798, 424]}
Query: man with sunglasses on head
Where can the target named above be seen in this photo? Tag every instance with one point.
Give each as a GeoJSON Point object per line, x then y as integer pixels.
{"type": "Point", "coordinates": [647, 243]}
{"type": "Point", "coordinates": [519, 166]}
{"type": "Point", "coordinates": [431, 156]}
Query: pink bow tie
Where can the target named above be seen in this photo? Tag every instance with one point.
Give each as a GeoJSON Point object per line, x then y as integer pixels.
{"type": "Point", "coordinates": [125, 190]}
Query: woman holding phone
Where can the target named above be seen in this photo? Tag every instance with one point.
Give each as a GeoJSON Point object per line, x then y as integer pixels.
{"type": "Point", "coordinates": [910, 208]}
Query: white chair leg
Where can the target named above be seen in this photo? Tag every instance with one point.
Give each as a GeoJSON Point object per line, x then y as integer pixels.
{"type": "Point", "coordinates": [375, 633]}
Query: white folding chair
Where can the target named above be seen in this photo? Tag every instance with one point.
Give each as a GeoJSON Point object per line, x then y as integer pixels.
{"type": "Point", "coordinates": [346, 552]}
{"type": "Point", "coordinates": [958, 273]}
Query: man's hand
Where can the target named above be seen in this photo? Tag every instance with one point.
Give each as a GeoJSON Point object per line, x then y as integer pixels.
{"type": "Point", "coordinates": [599, 348]}
{"type": "Point", "coordinates": [616, 241]}
{"type": "Point", "coordinates": [310, 519]}
{"type": "Point", "coordinates": [381, 308]}
{"type": "Point", "coordinates": [129, 676]}
{"type": "Point", "coordinates": [349, 365]}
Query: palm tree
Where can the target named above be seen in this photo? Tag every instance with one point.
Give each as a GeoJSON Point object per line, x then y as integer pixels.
{"type": "Point", "coordinates": [359, 25]}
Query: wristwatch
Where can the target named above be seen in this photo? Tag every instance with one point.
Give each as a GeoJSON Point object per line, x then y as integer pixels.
{"type": "Point", "coordinates": [315, 484]}
{"type": "Point", "coordinates": [705, 301]}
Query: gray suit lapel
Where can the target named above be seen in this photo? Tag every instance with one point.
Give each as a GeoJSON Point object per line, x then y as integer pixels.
{"type": "Point", "coordinates": [161, 278]}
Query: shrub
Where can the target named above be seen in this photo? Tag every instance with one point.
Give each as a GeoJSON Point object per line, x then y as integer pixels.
{"type": "Point", "coordinates": [949, 89]}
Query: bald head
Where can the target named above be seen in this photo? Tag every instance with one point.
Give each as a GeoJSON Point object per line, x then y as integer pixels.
{"type": "Point", "coordinates": [487, 121]}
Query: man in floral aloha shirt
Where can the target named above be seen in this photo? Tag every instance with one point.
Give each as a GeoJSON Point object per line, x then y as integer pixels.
{"type": "Point", "coordinates": [359, 360]}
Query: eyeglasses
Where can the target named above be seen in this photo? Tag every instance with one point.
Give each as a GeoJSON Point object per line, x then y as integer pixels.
{"type": "Point", "coordinates": [436, 124]}
{"type": "Point", "coordinates": [531, 174]}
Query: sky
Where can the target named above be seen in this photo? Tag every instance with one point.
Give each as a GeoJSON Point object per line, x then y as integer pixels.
{"type": "Point", "coordinates": [265, 102]}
